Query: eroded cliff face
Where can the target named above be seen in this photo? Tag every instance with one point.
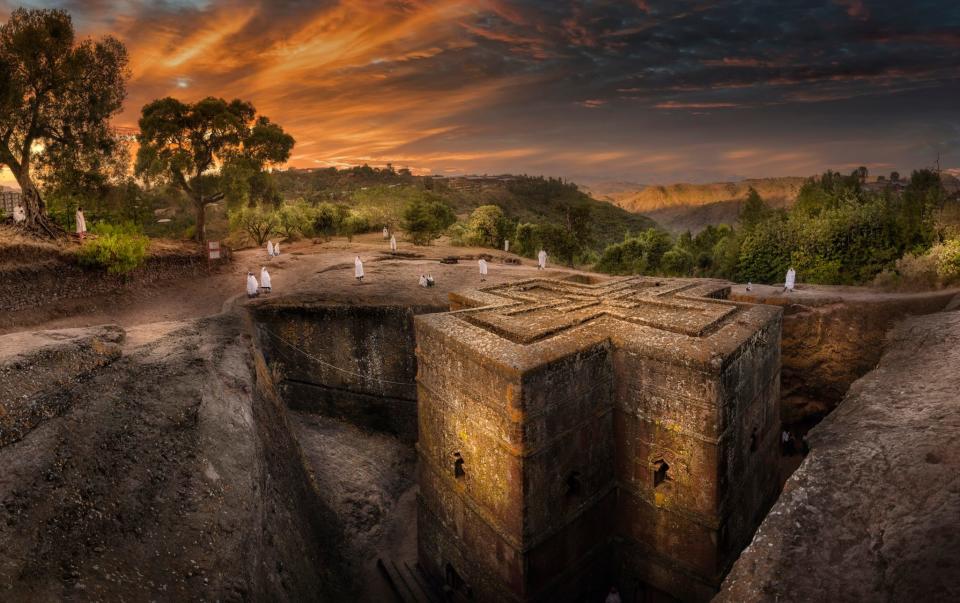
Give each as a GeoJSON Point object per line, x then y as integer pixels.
{"type": "Point", "coordinates": [831, 338]}
{"type": "Point", "coordinates": [872, 513]}
{"type": "Point", "coordinates": [162, 476]}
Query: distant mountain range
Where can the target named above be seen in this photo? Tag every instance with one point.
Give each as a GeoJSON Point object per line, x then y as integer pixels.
{"type": "Point", "coordinates": [680, 207]}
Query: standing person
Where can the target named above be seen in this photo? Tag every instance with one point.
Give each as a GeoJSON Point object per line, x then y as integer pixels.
{"type": "Point", "coordinates": [393, 243]}
{"type": "Point", "coordinates": [613, 596]}
{"type": "Point", "coordinates": [269, 249]}
{"type": "Point", "coordinates": [358, 269]}
{"type": "Point", "coordinates": [253, 289]}
{"type": "Point", "coordinates": [791, 280]}
{"type": "Point", "coordinates": [386, 233]}
{"type": "Point", "coordinates": [276, 249]}
{"type": "Point", "coordinates": [265, 279]}
{"type": "Point", "coordinates": [542, 260]}
{"type": "Point", "coordinates": [81, 223]}
{"type": "Point", "coordinates": [506, 244]}
{"type": "Point", "coordinates": [483, 269]}
{"type": "Point", "coordinates": [423, 281]}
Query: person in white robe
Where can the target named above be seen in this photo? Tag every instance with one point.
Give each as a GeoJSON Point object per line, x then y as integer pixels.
{"type": "Point", "coordinates": [542, 260]}
{"type": "Point", "coordinates": [358, 269]}
{"type": "Point", "coordinates": [386, 233]}
{"type": "Point", "coordinates": [423, 280]}
{"type": "Point", "coordinates": [430, 281]}
{"type": "Point", "coordinates": [265, 279]}
{"type": "Point", "coordinates": [393, 243]}
{"type": "Point", "coordinates": [18, 214]}
{"type": "Point", "coordinates": [276, 249]}
{"type": "Point", "coordinates": [269, 249]}
{"type": "Point", "coordinates": [483, 269]}
{"type": "Point", "coordinates": [253, 288]}
{"type": "Point", "coordinates": [506, 245]}
{"type": "Point", "coordinates": [791, 280]}
{"type": "Point", "coordinates": [81, 223]}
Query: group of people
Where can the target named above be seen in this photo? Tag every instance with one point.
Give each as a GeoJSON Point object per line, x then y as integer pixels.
{"type": "Point", "coordinates": [254, 288]}
{"type": "Point", "coordinates": [273, 250]}
{"type": "Point", "coordinates": [20, 216]}
{"type": "Point", "coordinates": [427, 280]}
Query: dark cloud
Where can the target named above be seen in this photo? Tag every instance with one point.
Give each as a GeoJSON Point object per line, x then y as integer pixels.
{"type": "Point", "coordinates": [648, 90]}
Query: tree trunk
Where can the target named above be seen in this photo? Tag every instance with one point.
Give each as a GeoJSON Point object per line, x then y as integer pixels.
{"type": "Point", "coordinates": [201, 233]}
{"type": "Point", "coordinates": [33, 205]}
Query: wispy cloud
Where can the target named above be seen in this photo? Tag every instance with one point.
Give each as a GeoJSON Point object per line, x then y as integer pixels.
{"type": "Point", "coordinates": [504, 85]}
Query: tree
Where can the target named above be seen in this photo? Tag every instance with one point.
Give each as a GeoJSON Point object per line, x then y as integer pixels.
{"type": "Point", "coordinates": [56, 99]}
{"type": "Point", "coordinates": [258, 222]}
{"type": "Point", "coordinates": [186, 144]}
{"type": "Point", "coordinates": [488, 226]}
{"type": "Point", "coordinates": [754, 210]}
{"type": "Point", "coordinates": [895, 176]}
{"type": "Point", "coordinates": [425, 217]}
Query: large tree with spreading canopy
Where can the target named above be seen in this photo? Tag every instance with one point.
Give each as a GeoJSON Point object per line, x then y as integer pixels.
{"type": "Point", "coordinates": [57, 96]}
{"type": "Point", "coordinates": [193, 146]}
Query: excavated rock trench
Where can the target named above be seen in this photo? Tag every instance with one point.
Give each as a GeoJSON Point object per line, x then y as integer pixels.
{"type": "Point", "coordinates": [346, 374]}
{"type": "Point", "coordinates": [260, 455]}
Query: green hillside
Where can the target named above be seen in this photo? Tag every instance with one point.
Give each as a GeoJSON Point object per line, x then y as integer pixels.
{"type": "Point", "coordinates": [381, 194]}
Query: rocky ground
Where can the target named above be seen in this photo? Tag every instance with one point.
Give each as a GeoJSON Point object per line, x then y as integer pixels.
{"type": "Point", "coordinates": [155, 479]}
{"type": "Point", "coordinates": [141, 461]}
{"type": "Point", "coordinates": [873, 513]}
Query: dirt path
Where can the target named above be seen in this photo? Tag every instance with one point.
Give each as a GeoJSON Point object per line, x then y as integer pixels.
{"type": "Point", "coordinates": [299, 265]}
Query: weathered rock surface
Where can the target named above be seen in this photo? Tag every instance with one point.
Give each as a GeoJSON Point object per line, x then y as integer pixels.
{"type": "Point", "coordinates": [37, 368]}
{"type": "Point", "coordinates": [873, 513]}
{"type": "Point", "coordinates": [166, 478]}
{"type": "Point", "coordinates": [832, 336]}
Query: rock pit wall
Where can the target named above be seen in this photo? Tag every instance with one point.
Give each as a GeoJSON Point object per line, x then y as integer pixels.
{"type": "Point", "coordinates": [51, 280]}
{"type": "Point", "coordinates": [830, 341]}
{"type": "Point", "coordinates": [872, 513]}
{"type": "Point", "coordinates": [354, 363]}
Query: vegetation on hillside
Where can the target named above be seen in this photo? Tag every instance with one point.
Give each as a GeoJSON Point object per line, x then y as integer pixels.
{"type": "Point", "coordinates": [837, 232]}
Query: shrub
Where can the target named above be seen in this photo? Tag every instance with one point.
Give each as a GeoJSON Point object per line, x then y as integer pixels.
{"type": "Point", "coordinates": [118, 248]}
{"type": "Point", "coordinates": [353, 224]}
{"type": "Point", "coordinates": [458, 234]}
{"type": "Point", "coordinates": [947, 257]}
{"type": "Point", "coordinates": [487, 227]}
{"type": "Point", "coordinates": [640, 254]}
{"type": "Point", "coordinates": [328, 219]}
{"type": "Point", "coordinates": [677, 262]}
{"type": "Point", "coordinates": [295, 220]}
{"type": "Point", "coordinates": [425, 217]}
{"type": "Point", "coordinates": [258, 223]}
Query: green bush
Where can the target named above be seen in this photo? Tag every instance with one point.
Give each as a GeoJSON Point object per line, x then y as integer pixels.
{"type": "Point", "coordinates": [257, 222]}
{"type": "Point", "coordinates": [328, 219]}
{"type": "Point", "coordinates": [354, 224]}
{"type": "Point", "coordinates": [295, 220]}
{"type": "Point", "coordinates": [425, 217]}
{"type": "Point", "coordinates": [487, 227]}
{"type": "Point", "coordinates": [118, 248]}
{"type": "Point", "coordinates": [947, 255]}
{"type": "Point", "coordinates": [458, 234]}
{"type": "Point", "coordinates": [640, 254]}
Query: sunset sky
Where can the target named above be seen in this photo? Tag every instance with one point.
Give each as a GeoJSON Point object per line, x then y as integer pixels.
{"type": "Point", "coordinates": [647, 91]}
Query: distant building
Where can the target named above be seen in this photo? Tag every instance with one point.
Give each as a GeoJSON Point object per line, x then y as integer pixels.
{"type": "Point", "coordinates": [9, 198]}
